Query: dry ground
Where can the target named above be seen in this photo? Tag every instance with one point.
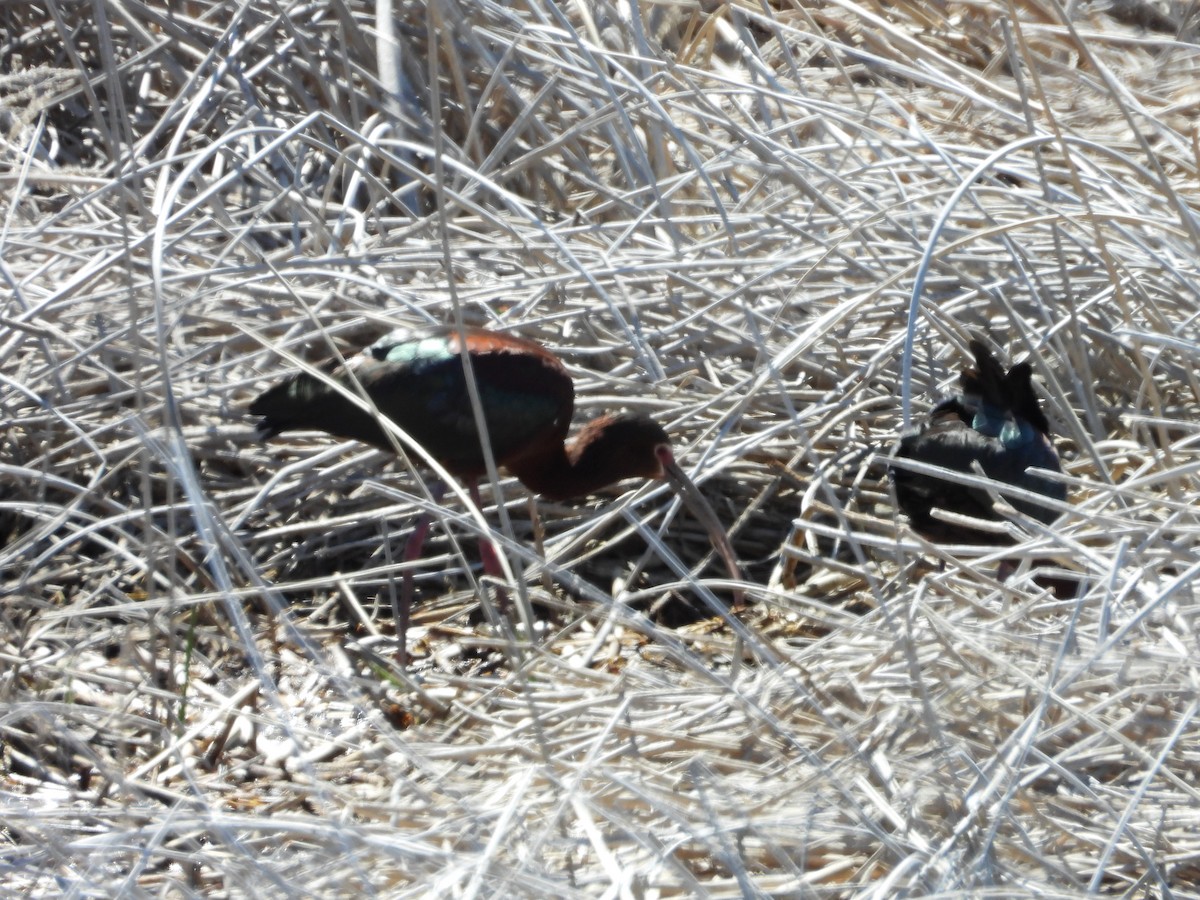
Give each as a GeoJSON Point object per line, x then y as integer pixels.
{"type": "Point", "coordinates": [773, 226]}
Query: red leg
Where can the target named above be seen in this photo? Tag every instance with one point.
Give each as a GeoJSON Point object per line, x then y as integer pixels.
{"type": "Point", "coordinates": [487, 553]}
{"type": "Point", "coordinates": [1005, 569]}
{"type": "Point", "coordinates": [487, 550]}
{"type": "Point", "coordinates": [402, 612]}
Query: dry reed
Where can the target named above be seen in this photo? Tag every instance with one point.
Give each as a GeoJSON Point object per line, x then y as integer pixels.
{"type": "Point", "coordinates": [772, 226]}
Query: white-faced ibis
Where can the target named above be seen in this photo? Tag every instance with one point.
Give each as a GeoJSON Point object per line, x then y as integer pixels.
{"type": "Point", "coordinates": [417, 380]}
{"type": "Point", "coordinates": [995, 420]}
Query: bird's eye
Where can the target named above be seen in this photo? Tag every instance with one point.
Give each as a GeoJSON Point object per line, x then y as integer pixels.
{"type": "Point", "coordinates": [666, 459]}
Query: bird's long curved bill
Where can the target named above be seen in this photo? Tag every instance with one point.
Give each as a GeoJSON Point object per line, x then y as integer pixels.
{"type": "Point", "coordinates": [708, 518]}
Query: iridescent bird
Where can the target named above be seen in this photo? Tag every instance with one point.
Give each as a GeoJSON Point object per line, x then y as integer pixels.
{"type": "Point", "coordinates": [417, 380]}
{"type": "Point", "coordinates": [995, 420]}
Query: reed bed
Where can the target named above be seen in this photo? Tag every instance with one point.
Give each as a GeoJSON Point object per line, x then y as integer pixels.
{"type": "Point", "coordinates": [772, 226]}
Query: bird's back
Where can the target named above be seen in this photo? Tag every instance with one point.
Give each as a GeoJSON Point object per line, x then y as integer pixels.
{"type": "Point", "coordinates": [995, 421]}
{"type": "Point", "coordinates": [417, 380]}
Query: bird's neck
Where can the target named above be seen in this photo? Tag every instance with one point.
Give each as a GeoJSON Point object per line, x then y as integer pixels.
{"type": "Point", "coordinates": [566, 472]}
{"type": "Point", "coordinates": [600, 455]}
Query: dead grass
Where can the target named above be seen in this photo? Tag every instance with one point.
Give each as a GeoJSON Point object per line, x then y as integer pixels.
{"type": "Point", "coordinates": [773, 226]}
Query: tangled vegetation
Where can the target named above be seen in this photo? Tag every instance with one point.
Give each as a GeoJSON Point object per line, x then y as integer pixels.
{"type": "Point", "coordinates": [774, 226]}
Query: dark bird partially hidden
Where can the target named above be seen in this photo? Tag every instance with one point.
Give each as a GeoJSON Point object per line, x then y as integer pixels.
{"type": "Point", "coordinates": [417, 380]}
{"type": "Point", "coordinates": [996, 421]}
